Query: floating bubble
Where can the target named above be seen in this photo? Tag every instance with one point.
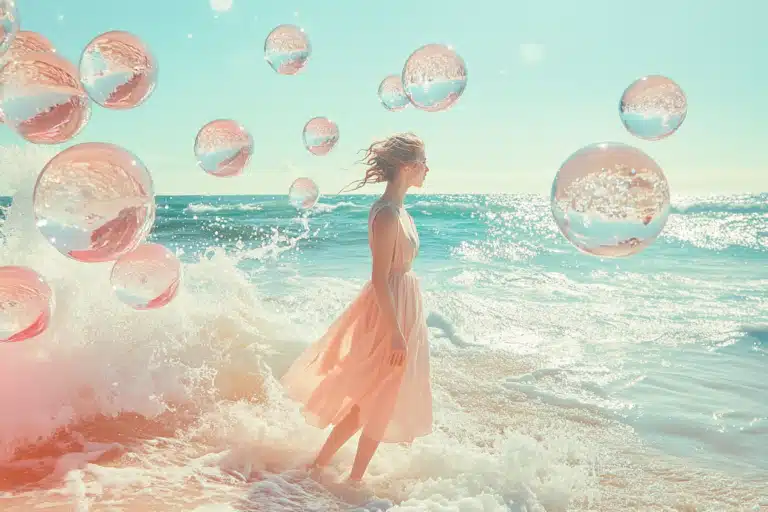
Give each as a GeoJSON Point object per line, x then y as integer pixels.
{"type": "Point", "coordinates": [9, 24]}
{"type": "Point", "coordinates": [653, 107]}
{"type": "Point", "coordinates": [94, 202]}
{"type": "Point", "coordinates": [610, 200]}
{"type": "Point", "coordinates": [146, 278]}
{"type": "Point", "coordinates": [26, 304]}
{"type": "Point", "coordinates": [434, 77]}
{"type": "Point", "coordinates": [42, 99]}
{"type": "Point", "coordinates": [320, 135]}
{"type": "Point", "coordinates": [391, 93]}
{"type": "Point", "coordinates": [26, 42]}
{"type": "Point", "coordinates": [118, 70]}
{"type": "Point", "coordinates": [303, 193]}
{"type": "Point", "coordinates": [287, 49]}
{"type": "Point", "coordinates": [223, 148]}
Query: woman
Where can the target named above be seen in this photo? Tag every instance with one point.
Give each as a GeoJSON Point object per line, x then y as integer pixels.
{"type": "Point", "coordinates": [370, 371]}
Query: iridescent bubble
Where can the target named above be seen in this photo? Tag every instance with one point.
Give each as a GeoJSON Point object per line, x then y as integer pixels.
{"type": "Point", "coordinates": [653, 107]}
{"type": "Point", "coordinates": [94, 202]}
{"type": "Point", "coordinates": [146, 278]}
{"type": "Point", "coordinates": [320, 135]}
{"type": "Point", "coordinates": [391, 93]}
{"type": "Point", "coordinates": [303, 193]}
{"type": "Point", "coordinates": [118, 70]}
{"type": "Point", "coordinates": [287, 49]}
{"type": "Point", "coordinates": [610, 200]}
{"type": "Point", "coordinates": [42, 98]}
{"type": "Point", "coordinates": [9, 24]}
{"type": "Point", "coordinates": [434, 77]}
{"type": "Point", "coordinates": [24, 43]}
{"type": "Point", "coordinates": [223, 148]}
{"type": "Point", "coordinates": [26, 304]}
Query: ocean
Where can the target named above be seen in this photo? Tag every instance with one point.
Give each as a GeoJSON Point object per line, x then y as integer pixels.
{"type": "Point", "coordinates": [561, 381]}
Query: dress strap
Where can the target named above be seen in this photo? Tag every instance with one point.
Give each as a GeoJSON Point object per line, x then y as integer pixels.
{"type": "Point", "coordinates": [377, 207]}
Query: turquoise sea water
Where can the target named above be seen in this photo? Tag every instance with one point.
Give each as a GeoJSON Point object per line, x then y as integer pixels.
{"type": "Point", "coordinates": [672, 341]}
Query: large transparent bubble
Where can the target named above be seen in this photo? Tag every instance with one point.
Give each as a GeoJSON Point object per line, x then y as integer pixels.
{"type": "Point", "coordinates": [118, 71]}
{"type": "Point", "coordinates": [24, 43]}
{"type": "Point", "coordinates": [42, 98]}
{"type": "Point", "coordinates": [94, 202]}
{"type": "Point", "coordinates": [610, 200]}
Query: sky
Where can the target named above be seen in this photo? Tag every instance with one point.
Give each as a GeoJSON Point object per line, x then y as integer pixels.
{"type": "Point", "coordinates": [544, 79]}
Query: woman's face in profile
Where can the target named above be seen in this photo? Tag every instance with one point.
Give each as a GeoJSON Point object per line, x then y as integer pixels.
{"type": "Point", "coordinates": [417, 171]}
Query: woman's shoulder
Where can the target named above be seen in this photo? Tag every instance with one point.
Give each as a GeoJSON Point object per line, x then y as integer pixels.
{"type": "Point", "coordinates": [384, 212]}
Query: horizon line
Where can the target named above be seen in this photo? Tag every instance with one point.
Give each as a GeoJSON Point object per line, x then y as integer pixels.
{"type": "Point", "coordinates": [416, 195]}
{"type": "Point", "coordinates": [708, 194]}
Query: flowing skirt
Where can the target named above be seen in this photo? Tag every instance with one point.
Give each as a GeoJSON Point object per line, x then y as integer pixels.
{"type": "Point", "coordinates": [349, 367]}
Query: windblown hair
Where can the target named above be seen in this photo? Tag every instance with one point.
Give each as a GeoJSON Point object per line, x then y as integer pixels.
{"type": "Point", "coordinates": [385, 157]}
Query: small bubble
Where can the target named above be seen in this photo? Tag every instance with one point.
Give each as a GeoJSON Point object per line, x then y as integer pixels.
{"type": "Point", "coordinates": [653, 107]}
{"type": "Point", "coordinates": [146, 278]}
{"type": "Point", "coordinates": [434, 77]}
{"type": "Point", "coordinates": [392, 95]}
{"type": "Point", "coordinates": [303, 193]}
{"type": "Point", "coordinates": [223, 148]}
{"type": "Point", "coordinates": [287, 49]}
{"type": "Point", "coordinates": [320, 135]}
{"type": "Point", "coordinates": [26, 304]}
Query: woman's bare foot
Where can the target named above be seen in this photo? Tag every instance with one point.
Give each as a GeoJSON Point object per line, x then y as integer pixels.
{"type": "Point", "coordinates": [354, 482]}
{"type": "Point", "coordinates": [310, 467]}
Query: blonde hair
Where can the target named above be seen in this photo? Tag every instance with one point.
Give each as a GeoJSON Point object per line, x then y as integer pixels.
{"type": "Point", "coordinates": [384, 158]}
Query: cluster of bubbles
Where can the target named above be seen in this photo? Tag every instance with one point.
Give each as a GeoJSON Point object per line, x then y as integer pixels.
{"type": "Point", "coordinates": [46, 99]}
{"type": "Point", "coordinates": [223, 147]}
{"type": "Point", "coordinates": [433, 79]}
{"type": "Point", "coordinates": [612, 199]}
{"type": "Point", "coordinates": [95, 202]}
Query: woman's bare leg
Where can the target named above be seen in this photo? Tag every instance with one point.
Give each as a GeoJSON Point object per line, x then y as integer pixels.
{"type": "Point", "coordinates": [365, 450]}
{"type": "Point", "coordinates": [340, 434]}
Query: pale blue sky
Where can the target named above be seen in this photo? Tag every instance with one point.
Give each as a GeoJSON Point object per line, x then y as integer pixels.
{"type": "Point", "coordinates": [545, 77]}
